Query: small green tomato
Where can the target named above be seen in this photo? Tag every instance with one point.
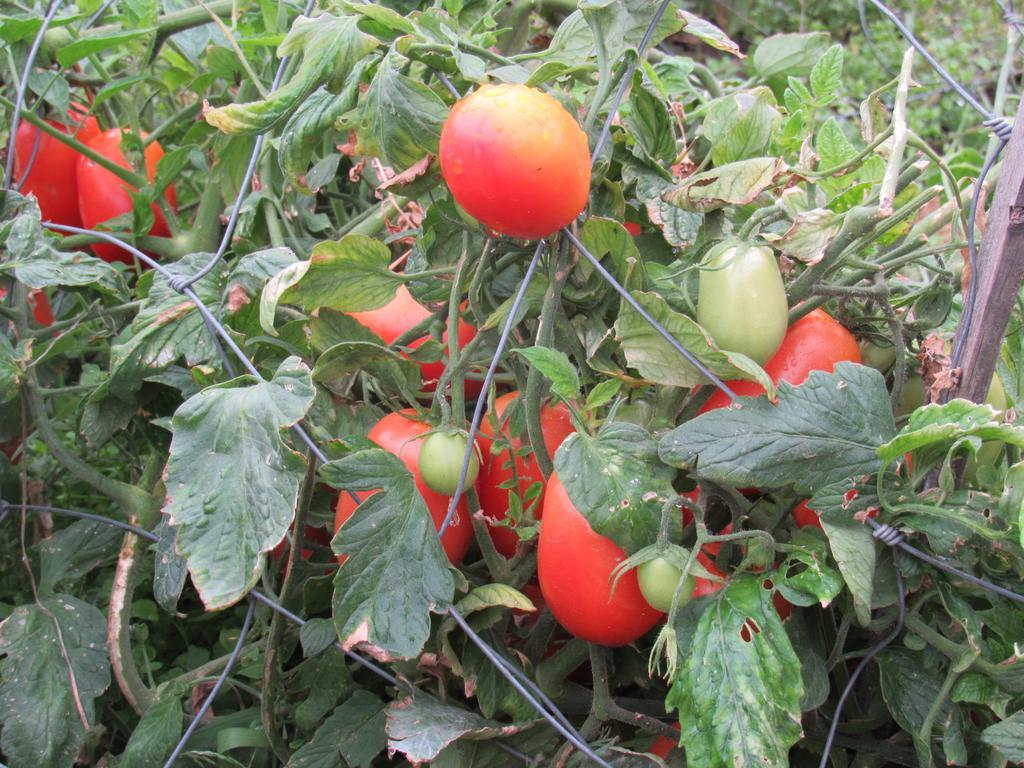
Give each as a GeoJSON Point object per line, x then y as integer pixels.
{"type": "Point", "coordinates": [658, 580]}
{"type": "Point", "coordinates": [440, 461]}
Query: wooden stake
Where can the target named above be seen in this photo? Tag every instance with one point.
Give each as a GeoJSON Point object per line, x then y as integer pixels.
{"type": "Point", "coordinates": [1000, 271]}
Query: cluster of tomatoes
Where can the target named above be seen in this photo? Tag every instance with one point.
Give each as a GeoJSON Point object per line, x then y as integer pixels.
{"type": "Point", "coordinates": [73, 189]}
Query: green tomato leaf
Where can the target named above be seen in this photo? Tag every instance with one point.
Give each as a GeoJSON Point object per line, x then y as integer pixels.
{"type": "Point", "coordinates": [337, 363]}
{"type": "Point", "coordinates": [1011, 504]}
{"type": "Point", "coordinates": [35, 262]}
{"type": "Point", "coordinates": [737, 183]}
{"type": "Point", "coordinates": [621, 26]}
{"type": "Point", "coordinates": [331, 48]}
{"type": "Point", "coordinates": [739, 689]}
{"type": "Point", "coordinates": [41, 723]}
{"type": "Point", "coordinates": [680, 228]}
{"type": "Point", "coordinates": [826, 75]}
{"type": "Point", "coordinates": [650, 125]}
{"type": "Point", "coordinates": [709, 34]}
{"type": "Point", "coordinates": [87, 46]}
{"type": "Point", "coordinates": [396, 572]}
{"type": "Point", "coordinates": [232, 483]}
{"type": "Point", "coordinates": [938, 427]}
{"type": "Point", "coordinates": [806, 577]}
{"type": "Point", "coordinates": [10, 371]}
{"type": "Point", "coordinates": [167, 328]}
{"type": "Point", "coordinates": [72, 552]}
{"type": "Point", "coordinates": [910, 689]}
{"type": "Point", "coordinates": [789, 54]}
{"type": "Point", "coordinates": [420, 727]}
{"type": "Point", "coordinates": [616, 481]}
{"type": "Point", "coordinates": [157, 733]}
{"type": "Point", "coordinates": [352, 736]}
{"type": "Point", "coordinates": [315, 117]}
{"type": "Point", "coordinates": [348, 275]}
{"type": "Point", "coordinates": [822, 432]}
{"type": "Point", "coordinates": [647, 351]}
{"type": "Point", "coordinates": [557, 368]}
{"type": "Point", "coordinates": [1007, 737]}
{"type": "Point", "coordinates": [842, 506]}
{"type": "Point", "coordinates": [169, 568]}
{"type": "Point", "coordinates": [400, 119]}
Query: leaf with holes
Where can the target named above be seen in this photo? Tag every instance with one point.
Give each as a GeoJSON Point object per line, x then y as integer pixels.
{"type": "Point", "coordinates": [396, 572]}
{"type": "Point", "coordinates": [232, 483]}
{"type": "Point", "coordinates": [739, 689]}
{"type": "Point", "coordinates": [616, 481]}
{"type": "Point", "coordinates": [42, 725]}
{"type": "Point", "coordinates": [825, 430]}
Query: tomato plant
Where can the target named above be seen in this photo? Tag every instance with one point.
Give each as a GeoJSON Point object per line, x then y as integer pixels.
{"type": "Point", "coordinates": [574, 565]}
{"type": "Point", "coordinates": [742, 301]}
{"type": "Point", "coordinates": [516, 160]}
{"type": "Point", "coordinates": [509, 467]}
{"type": "Point", "coordinates": [440, 462]}
{"type": "Point", "coordinates": [402, 434]}
{"type": "Point", "coordinates": [103, 196]}
{"type": "Point", "coordinates": [658, 580]}
{"type": "Point", "coordinates": [52, 176]}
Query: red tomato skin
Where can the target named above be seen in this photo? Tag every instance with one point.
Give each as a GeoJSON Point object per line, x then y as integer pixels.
{"type": "Point", "coordinates": [400, 433]}
{"type": "Point", "coordinates": [496, 469]}
{"type": "Point", "coordinates": [663, 745]}
{"type": "Point", "coordinates": [38, 303]}
{"type": "Point", "coordinates": [101, 195]}
{"type": "Point", "coordinates": [815, 342]}
{"type": "Point", "coordinates": [574, 566]}
{"type": "Point", "coordinates": [633, 228]}
{"type": "Point", "coordinates": [52, 176]}
{"type": "Point", "coordinates": [404, 312]}
{"type": "Point", "coordinates": [516, 160]}
{"type": "Point", "coordinates": [804, 516]}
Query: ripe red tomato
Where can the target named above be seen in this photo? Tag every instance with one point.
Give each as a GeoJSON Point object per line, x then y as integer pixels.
{"type": "Point", "coordinates": [404, 312]}
{"type": "Point", "coordinates": [815, 342]}
{"type": "Point", "coordinates": [497, 468]}
{"type": "Point", "coordinates": [633, 228]}
{"type": "Point", "coordinates": [663, 745]}
{"type": "Point", "coordinates": [52, 175]}
{"type": "Point", "coordinates": [805, 516]}
{"type": "Point", "coordinates": [516, 160]}
{"type": "Point", "coordinates": [38, 303]}
{"type": "Point", "coordinates": [102, 196]}
{"type": "Point", "coordinates": [574, 566]}
{"type": "Point", "coordinates": [400, 433]}
{"type": "Point", "coordinates": [313, 533]}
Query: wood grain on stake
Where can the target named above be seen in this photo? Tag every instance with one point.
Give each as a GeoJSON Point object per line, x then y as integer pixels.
{"type": "Point", "coordinates": [1000, 269]}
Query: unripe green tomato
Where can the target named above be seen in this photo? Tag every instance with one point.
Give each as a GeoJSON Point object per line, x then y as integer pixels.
{"type": "Point", "coordinates": [991, 450]}
{"type": "Point", "coordinates": [658, 579]}
{"type": "Point", "coordinates": [912, 395]}
{"type": "Point", "coordinates": [741, 300]}
{"type": "Point", "coordinates": [440, 463]}
{"type": "Point", "coordinates": [877, 356]}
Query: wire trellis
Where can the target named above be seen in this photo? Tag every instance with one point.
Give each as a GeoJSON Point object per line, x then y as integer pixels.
{"type": "Point", "coordinates": [224, 343]}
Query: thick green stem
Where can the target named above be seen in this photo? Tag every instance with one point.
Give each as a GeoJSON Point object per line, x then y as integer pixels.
{"type": "Point", "coordinates": [551, 672]}
{"type": "Point", "coordinates": [125, 174]}
{"type": "Point", "coordinates": [206, 227]}
{"type": "Point", "coordinates": [558, 274]}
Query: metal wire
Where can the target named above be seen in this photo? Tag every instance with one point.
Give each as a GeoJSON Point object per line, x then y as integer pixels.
{"type": "Point", "coordinates": [181, 283]}
{"type": "Point", "coordinates": [23, 86]}
{"type": "Point", "coordinates": [872, 652]}
{"type": "Point", "coordinates": [197, 718]}
{"type": "Point", "coordinates": [1000, 126]}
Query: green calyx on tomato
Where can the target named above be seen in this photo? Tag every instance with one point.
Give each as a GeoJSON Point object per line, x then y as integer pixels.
{"type": "Point", "coordinates": [741, 300]}
{"type": "Point", "coordinates": [441, 458]}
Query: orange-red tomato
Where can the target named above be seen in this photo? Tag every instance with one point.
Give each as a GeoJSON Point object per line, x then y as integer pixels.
{"type": "Point", "coordinates": [815, 342]}
{"type": "Point", "coordinates": [497, 467]}
{"type": "Point", "coordinates": [52, 175]}
{"type": "Point", "coordinates": [42, 313]}
{"type": "Point", "coordinates": [574, 566]}
{"type": "Point", "coordinates": [804, 516]}
{"type": "Point", "coordinates": [663, 745]}
{"type": "Point", "coordinates": [102, 196]}
{"type": "Point", "coordinates": [401, 434]}
{"type": "Point", "coordinates": [516, 160]}
{"type": "Point", "coordinates": [403, 313]}
{"type": "Point", "coordinates": [633, 228]}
